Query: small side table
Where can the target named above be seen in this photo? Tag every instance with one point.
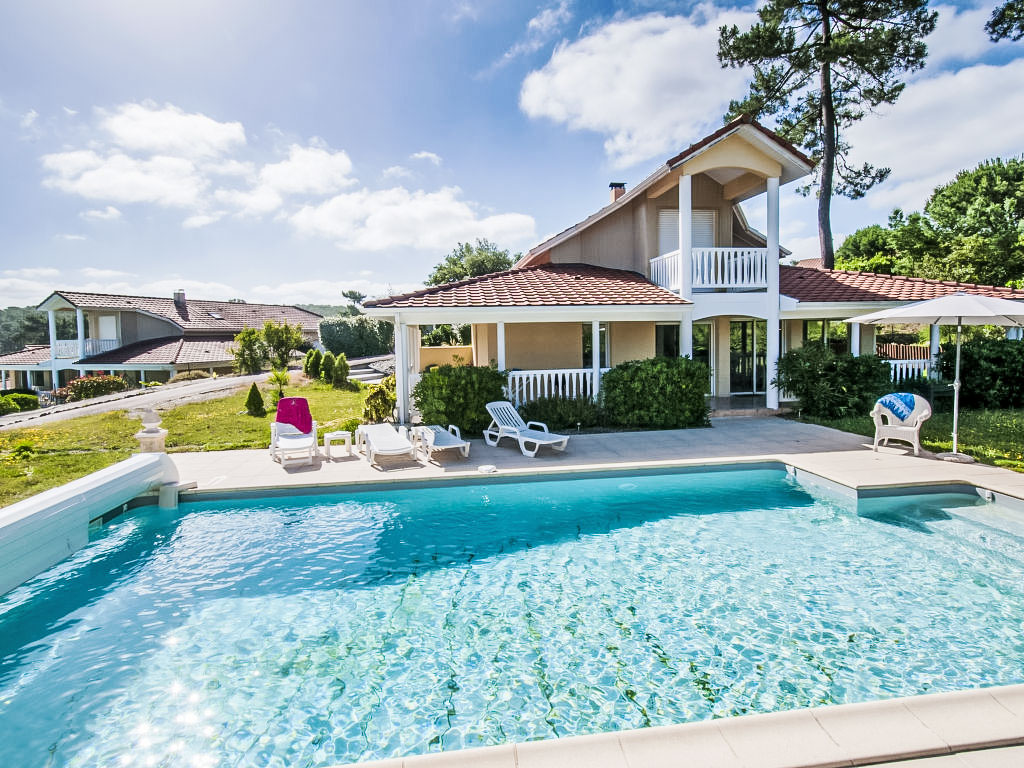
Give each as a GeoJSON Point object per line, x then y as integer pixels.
{"type": "Point", "coordinates": [340, 434]}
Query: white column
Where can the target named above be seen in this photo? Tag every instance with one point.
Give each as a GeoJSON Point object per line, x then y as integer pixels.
{"type": "Point", "coordinates": [855, 339]}
{"type": "Point", "coordinates": [400, 370]}
{"type": "Point", "coordinates": [686, 235]}
{"type": "Point", "coordinates": [686, 336]}
{"type": "Point", "coordinates": [80, 327]}
{"type": "Point", "coordinates": [595, 354]}
{"type": "Point", "coordinates": [501, 346]}
{"type": "Point", "coordinates": [142, 376]}
{"type": "Point", "coordinates": [772, 256]}
{"type": "Point", "coordinates": [3, 379]}
{"type": "Point", "coordinates": [28, 380]}
{"type": "Point", "coordinates": [51, 316]}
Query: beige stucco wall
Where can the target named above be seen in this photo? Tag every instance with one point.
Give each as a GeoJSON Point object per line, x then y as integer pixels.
{"type": "Point", "coordinates": [630, 341]}
{"type": "Point", "coordinates": [543, 345]}
{"type": "Point", "coordinates": [706, 195]}
{"type": "Point", "coordinates": [445, 356]}
{"type": "Point", "coordinates": [485, 343]}
{"type": "Point", "coordinates": [733, 152]}
{"type": "Point", "coordinates": [611, 242]}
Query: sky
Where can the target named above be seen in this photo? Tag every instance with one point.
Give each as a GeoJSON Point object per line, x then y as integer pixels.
{"type": "Point", "coordinates": [285, 152]}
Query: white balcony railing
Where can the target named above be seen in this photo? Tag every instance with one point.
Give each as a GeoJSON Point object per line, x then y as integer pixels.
{"type": "Point", "coordinates": [905, 370]}
{"type": "Point", "coordinates": [68, 348]}
{"type": "Point", "coordinates": [570, 383]}
{"type": "Point", "coordinates": [739, 268]}
{"type": "Point", "coordinates": [667, 271]}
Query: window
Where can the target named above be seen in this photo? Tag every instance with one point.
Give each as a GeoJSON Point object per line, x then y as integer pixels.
{"type": "Point", "coordinates": [834, 333]}
{"type": "Point", "coordinates": [666, 340]}
{"type": "Point", "coordinates": [108, 326]}
{"type": "Point", "coordinates": [216, 315]}
{"type": "Point", "coordinates": [703, 236]}
{"type": "Point", "coordinates": [588, 346]}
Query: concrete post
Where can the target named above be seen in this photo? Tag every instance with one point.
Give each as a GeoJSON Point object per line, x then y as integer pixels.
{"type": "Point", "coordinates": [855, 339]}
{"type": "Point", "coordinates": [501, 346]}
{"type": "Point", "coordinates": [772, 257]}
{"type": "Point", "coordinates": [595, 354]}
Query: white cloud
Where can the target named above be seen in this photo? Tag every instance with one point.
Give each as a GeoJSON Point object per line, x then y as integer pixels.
{"type": "Point", "coordinates": [147, 127]}
{"type": "Point", "coordinates": [396, 218]}
{"type": "Point", "coordinates": [199, 220]}
{"type": "Point", "coordinates": [431, 157]}
{"type": "Point", "coordinates": [229, 168]}
{"type": "Point", "coordinates": [250, 202]}
{"type": "Point", "coordinates": [31, 273]}
{"type": "Point", "coordinates": [958, 36]}
{"type": "Point", "coordinates": [313, 170]}
{"type": "Point", "coordinates": [70, 238]}
{"type": "Point", "coordinates": [18, 292]}
{"type": "Point", "coordinates": [651, 84]}
{"type": "Point", "coordinates": [29, 118]}
{"type": "Point", "coordinates": [549, 19]}
{"type": "Point", "coordinates": [105, 214]}
{"type": "Point", "coordinates": [94, 273]}
{"type": "Point", "coordinates": [324, 291]}
{"type": "Point", "coordinates": [70, 112]}
{"type": "Point", "coordinates": [539, 30]}
{"type": "Point", "coordinates": [167, 181]}
{"type": "Point", "coordinates": [397, 172]}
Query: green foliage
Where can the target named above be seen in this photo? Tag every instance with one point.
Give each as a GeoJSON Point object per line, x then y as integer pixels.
{"type": "Point", "coordinates": [306, 360]}
{"type": "Point", "coordinates": [188, 376]}
{"type": "Point", "coordinates": [281, 339]}
{"type": "Point", "coordinates": [818, 69]}
{"type": "Point", "coordinates": [355, 301]}
{"type": "Point", "coordinates": [357, 336]}
{"type": "Point", "coordinates": [351, 425]}
{"type": "Point", "coordinates": [467, 260]}
{"type": "Point", "coordinates": [24, 402]}
{"type": "Point", "coordinates": [254, 402]}
{"type": "Point", "coordinates": [380, 402]}
{"type": "Point", "coordinates": [95, 386]}
{"type": "Point", "coordinates": [868, 250]}
{"type": "Point", "coordinates": [991, 372]}
{"type": "Point", "coordinates": [23, 451]}
{"type": "Point", "coordinates": [279, 379]}
{"type": "Point", "coordinates": [446, 335]}
{"type": "Point", "coordinates": [660, 392]}
{"type": "Point", "coordinates": [828, 385]}
{"type": "Point", "coordinates": [20, 326]}
{"type": "Point", "coordinates": [250, 351]}
{"type": "Point", "coordinates": [1007, 21]}
{"type": "Point", "coordinates": [562, 413]}
{"type": "Point", "coordinates": [327, 368]}
{"type": "Point", "coordinates": [458, 394]}
{"type": "Point", "coordinates": [315, 361]}
{"type": "Point", "coordinates": [341, 369]}
{"type": "Point", "coordinates": [8, 406]}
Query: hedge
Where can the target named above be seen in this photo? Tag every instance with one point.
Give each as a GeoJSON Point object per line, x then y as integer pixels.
{"type": "Point", "coordinates": [358, 336]}
{"type": "Point", "coordinates": [991, 372]}
{"type": "Point", "coordinates": [458, 394]}
{"type": "Point", "coordinates": [24, 402]}
{"type": "Point", "coordinates": [8, 406]}
{"type": "Point", "coordinates": [660, 392]}
{"type": "Point", "coordinates": [828, 385]}
{"type": "Point", "coordinates": [95, 386]}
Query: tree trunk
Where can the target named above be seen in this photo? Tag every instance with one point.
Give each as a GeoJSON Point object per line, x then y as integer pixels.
{"type": "Point", "coordinates": [828, 144]}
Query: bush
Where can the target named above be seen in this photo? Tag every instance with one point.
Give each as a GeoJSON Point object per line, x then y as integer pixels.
{"type": "Point", "coordinates": [188, 376]}
{"type": "Point", "coordinates": [327, 368]}
{"type": "Point", "coordinates": [351, 425]}
{"type": "Point", "coordinates": [991, 372]}
{"type": "Point", "coordinates": [8, 406]}
{"type": "Point", "coordinates": [305, 361]}
{"type": "Point", "coordinates": [254, 402]}
{"type": "Point", "coordinates": [828, 385]}
{"type": "Point", "coordinates": [315, 361]}
{"type": "Point", "coordinates": [457, 394]}
{"type": "Point", "coordinates": [562, 413]}
{"type": "Point", "coordinates": [278, 379]}
{"type": "Point", "coordinates": [380, 402]}
{"type": "Point", "coordinates": [250, 351]}
{"type": "Point", "coordinates": [660, 392]}
{"type": "Point", "coordinates": [281, 339]}
{"type": "Point", "coordinates": [95, 386]}
{"type": "Point", "coordinates": [358, 336]}
{"type": "Point", "coordinates": [25, 402]}
{"type": "Point", "coordinates": [341, 369]}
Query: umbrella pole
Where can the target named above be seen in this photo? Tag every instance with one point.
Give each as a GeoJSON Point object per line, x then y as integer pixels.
{"type": "Point", "coordinates": [956, 393]}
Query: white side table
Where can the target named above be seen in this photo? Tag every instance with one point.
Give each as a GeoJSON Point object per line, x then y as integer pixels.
{"type": "Point", "coordinates": [340, 434]}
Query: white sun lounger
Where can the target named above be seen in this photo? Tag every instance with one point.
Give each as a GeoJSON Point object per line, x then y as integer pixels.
{"type": "Point", "coordinates": [289, 446]}
{"type": "Point", "coordinates": [506, 422]}
{"type": "Point", "coordinates": [383, 440]}
{"type": "Point", "coordinates": [434, 437]}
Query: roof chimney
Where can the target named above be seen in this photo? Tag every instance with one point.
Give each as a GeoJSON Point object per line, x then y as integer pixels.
{"type": "Point", "coordinates": [618, 189]}
{"type": "Point", "coordinates": [179, 298]}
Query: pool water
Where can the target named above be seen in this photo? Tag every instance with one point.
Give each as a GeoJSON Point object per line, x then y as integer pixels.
{"type": "Point", "coordinates": [318, 630]}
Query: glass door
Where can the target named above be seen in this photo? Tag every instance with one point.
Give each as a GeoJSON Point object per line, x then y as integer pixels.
{"type": "Point", "coordinates": [747, 360]}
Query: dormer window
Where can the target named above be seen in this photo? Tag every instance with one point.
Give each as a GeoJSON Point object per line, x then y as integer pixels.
{"type": "Point", "coordinates": [216, 315]}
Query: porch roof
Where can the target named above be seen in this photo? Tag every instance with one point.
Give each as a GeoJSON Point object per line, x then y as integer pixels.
{"type": "Point", "coordinates": [165, 351]}
{"type": "Point", "coordinates": [544, 285]}
{"type": "Point", "coordinates": [833, 285]}
{"type": "Point", "coordinates": [31, 355]}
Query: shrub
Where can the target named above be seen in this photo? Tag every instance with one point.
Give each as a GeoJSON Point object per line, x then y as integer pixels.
{"type": "Point", "coordinates": [341, 369]}
{"type": "Point", "coordinates": [662, 392]}
{"type": "Point", "coordinates": [95, 386]}
{"type": "Point", "coordinates": [380, 402]}
{"type": "Point", "coordinates": [828, 385]}
{"type": "Point", "coordinates": [358, 336]}
{"type": "Point", "coordinates": [25, 402]}
{"type": "Point", "coordinates": [991, 372]}
{"type": "Point", "coordinates": [315, 361]}
{"type": "Point", "coordinates": [278, 379]}
{"type": "Point", "coordinates": [327, 368]}
{"type": "Point", "coordinates": [23, 451]}
{"type": "Point", "coordinates": [8, 406]}
{"type": "Point", "coordinates": [250, 351]}
{"type": "Point", "coordinates": [457, 394]}
{"type": "Point", "coordinates": [305, 361]}
{"type": "Point", "coordinates": [281, 339]}
{"type": "Point", "coordinates": [254, 402]}
{"type": "Point", "coordinates": [562, 413]}
{"type": "Point", "coordinates": [351, 425]}
{"type": "Point", "coordinates": [188, 376]}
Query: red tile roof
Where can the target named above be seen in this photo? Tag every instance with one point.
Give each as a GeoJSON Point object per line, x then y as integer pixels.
{"type": "Point", "coordinates": [198, 314]}
{"type": "Point", "coordinates": [825, 285]}
{"type": "Point", "coordinates": [30, 355]}
{"type": "Point", "coordinates": [173, 350]}
{"type": "Point", "coordinates": [544, 285]}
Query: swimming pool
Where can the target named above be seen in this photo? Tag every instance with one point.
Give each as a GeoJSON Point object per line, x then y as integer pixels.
{"type": "Point", "coordinates": [326, 629]}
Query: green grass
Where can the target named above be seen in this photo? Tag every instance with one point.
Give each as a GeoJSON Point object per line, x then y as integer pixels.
{"type": "Point", "coordinates": [992, 437]}
{"type": "Point", "coordinates": [65, 450]}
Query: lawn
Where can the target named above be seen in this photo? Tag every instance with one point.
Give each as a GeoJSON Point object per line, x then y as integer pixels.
{"type": "Point", "coordinates": [993, 437]}
{"type": "Point", "coordinates": [34, 459]}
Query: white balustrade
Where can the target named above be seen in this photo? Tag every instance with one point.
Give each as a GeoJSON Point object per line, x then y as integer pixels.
{"type": "Point", "coordinates": [68, 348]}
{"type": "Point", "coordinates": [905, 370]}
{"type": "Point", "coordinates": [730, 268]}
{"type": "Point", "coordinates": [570, 383]}
{"type": "Point", "coordinates": [667, 271]}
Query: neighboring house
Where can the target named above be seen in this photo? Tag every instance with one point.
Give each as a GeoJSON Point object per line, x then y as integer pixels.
{"type": "Point", "coordinates": [142, 337]}
{"type": "Point", "coordinates": [645, 281]}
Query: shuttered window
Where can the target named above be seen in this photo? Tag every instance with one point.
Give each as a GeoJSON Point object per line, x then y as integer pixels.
{"type": "Point", "coordinates": [668, 230]}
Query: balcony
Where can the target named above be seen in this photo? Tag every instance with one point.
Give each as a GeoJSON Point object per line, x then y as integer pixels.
{"type": "Point", "coordinates": [68, 348]}
{"type": "Point", "coordinates": [742, 269]}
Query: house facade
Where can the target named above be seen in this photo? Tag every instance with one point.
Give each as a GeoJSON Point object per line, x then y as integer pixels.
{"type": "Point", "coordinates": [143, 338]}
{"type": "Point", "coordinates": [712, 287]}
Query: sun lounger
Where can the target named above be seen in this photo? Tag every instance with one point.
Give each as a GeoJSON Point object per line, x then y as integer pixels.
{"type": "Point", "coordinates": [293, 433]}
{"type": "Point", "coordinates": [383, 440]}
{"type": "Point", "coordinates": [506, 422]}
{"type": "Point", "coordinates": [434, 437]}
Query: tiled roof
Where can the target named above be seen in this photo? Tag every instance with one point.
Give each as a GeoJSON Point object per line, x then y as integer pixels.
{"type": "Point", "coordinates": [30, 355]}
{"type": "Point", "coordinates": [545, 285]}
{"type": "Point", "coordinates": [197, 314]}
{"type": "Point", "coordinates": [824, 285]}
{"type": "Point", "coordinates": [809, 263]}
{"type": "Point", "coordinates": [172, 350]}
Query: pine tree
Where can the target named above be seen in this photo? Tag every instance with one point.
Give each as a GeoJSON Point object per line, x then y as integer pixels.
{"type": "Point", "coordinates": [254, 402]}
{"type": "Point", "coordinates": [314, 364]}
{"type": "Point", "coordinates": [327, 368]}
{"type": "Point", "coordinates": [341, 369]}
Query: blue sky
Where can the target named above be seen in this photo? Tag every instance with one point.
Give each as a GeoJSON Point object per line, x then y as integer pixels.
{"type": "Point", "coordinates": [288, 151]}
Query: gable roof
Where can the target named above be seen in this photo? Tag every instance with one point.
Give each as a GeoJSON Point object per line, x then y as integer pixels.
{"type": "Point", "coordinates": [835, 285]}
{"type": "Point", "coordinates": [195, 314]}
{"type": "Point", "coordinates": [730, 127]}
{"type": "Point", "coordinates": [544, 285]}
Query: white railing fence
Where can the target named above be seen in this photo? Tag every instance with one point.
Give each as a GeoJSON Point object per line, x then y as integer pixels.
{"type": "Point", "coordinates": [730, 267]}
{"type": "Point", "coordinates": [905, 370]}
{"type": "Point", "coordinates": [570, 383]}
{"type": "Point", "coordinates": [667, 271]}
{"type": "Point", "coordinates": [68, 348]}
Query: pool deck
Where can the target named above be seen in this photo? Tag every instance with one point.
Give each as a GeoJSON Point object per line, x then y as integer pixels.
{"type": "Point", "coordinates": [967, 729]}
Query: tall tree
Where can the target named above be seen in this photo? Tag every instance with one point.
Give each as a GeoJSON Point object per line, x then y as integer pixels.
{"type": "Point", "coordinates": [467, 260]}
{"type": "Point", "coordinates": [819, 67]}
{"type": "Point", "coordinates": [1007, 21]}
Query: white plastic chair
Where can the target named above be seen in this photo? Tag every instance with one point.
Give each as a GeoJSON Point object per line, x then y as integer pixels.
{"type": "Point", "coordinates": [434, 437]}
{"type": "Point", "coordinates": [289, 446]}
{"type": "Point", "coordinates": [506, 422]}
{"type": "Point", "coordinates": [383, 440]}
{"type": "Point", "coordinates": [899, 416]}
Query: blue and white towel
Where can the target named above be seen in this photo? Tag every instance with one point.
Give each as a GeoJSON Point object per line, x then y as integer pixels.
{"type": "Point", "coordinates": [901, 404]}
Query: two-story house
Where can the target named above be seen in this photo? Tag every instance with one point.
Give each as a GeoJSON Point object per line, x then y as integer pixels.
{"type": "Point", "coordinates": [143, 338]}
{"type": "Point", "coordinates": [670, 267]}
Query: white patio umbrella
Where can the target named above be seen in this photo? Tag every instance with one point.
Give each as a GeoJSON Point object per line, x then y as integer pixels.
{"type": "Point", "coordinates": [957, 309]}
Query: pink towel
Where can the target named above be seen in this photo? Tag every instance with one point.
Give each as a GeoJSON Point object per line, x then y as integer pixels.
{"type": "Point", "coordinates": [295, 411]}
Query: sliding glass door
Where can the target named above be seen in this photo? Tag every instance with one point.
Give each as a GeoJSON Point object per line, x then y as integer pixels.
{"type": "Point", "coordinates": [747, 362]}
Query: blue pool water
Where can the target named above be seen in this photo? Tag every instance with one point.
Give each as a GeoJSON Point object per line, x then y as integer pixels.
{"type": "Point", "coordinates": [325, 629]}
